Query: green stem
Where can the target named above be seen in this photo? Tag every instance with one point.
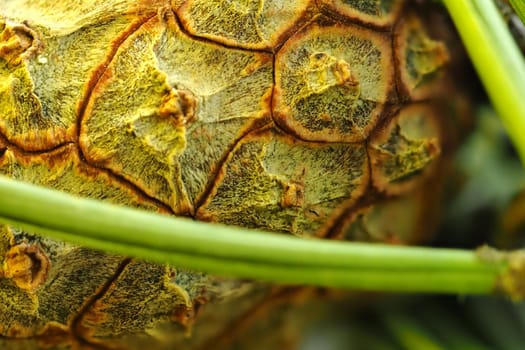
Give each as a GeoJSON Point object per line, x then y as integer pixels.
{"type": "Point", "coordinates": [519, 7]}
{"type": "Point", "coordinates": [497, 60]}
{"type": "Point", "coordinates": [448, 328]}
{"type": "Point", "coordinates": [244, 253]}
{"type": "Point", "coordinates": [409, 334]}
{"type": "Point", "coordinates": [46, 208]}
{"type": "Point", "coordinates": [496, 320]}
{"type": "Point", "coordinates": [384, 279]}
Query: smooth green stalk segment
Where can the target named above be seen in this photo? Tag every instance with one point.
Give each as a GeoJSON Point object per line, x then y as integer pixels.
{"type": "Point", "coordinates": [497, 59]}
{"type": "Point", "coordinates": [359, 275]}
{"type": "Point", "coordinates": [384, 279]}
{"type": "Point", "coordinates": [93, 219]}
{"type": "Point", "coordinates": [244, 253]}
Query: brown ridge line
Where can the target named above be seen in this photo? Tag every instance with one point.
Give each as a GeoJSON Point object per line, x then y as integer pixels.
{"type": "Point", "coordinates": [99, 72]}
{"type": "Point", "coordinates": [135, 188]}
{"type": "Point", "coordinates": [334, 15]}
{"type": "Point", "coordinates": [202, 198]}
{"type": "Point", "coordinates": [386, 112]}
{"type": "Point", "coordinates": [183, 29]}
{"type": "Point", "coordinates": [277, 125]}
{"type": "Point", "coordinates": [271, 99]}
{"type": "Point", "coordinates": [399, 98]}
{"type": "Point", "coordinates": [254, 127]}
{"type": "Point", "coordinates": [82, 106]}
{"type": "Point", "coordinates": [374, 195]}
{"type": "Point", "coordinates": [402, 99]}
{"type": "Point", "coordinates": [335, 229]}
{"type": "Point", "coordinates": [290, 132]}
{"type": "Point", "coordinates": [101, 69]}
{"type": "Point", "coordinates": [5, 144]}
{"type": "Point", "coordinates": [322, 12]}
{"type": "Point", "coordinates": [278, 296]}
{"type": "Point", "coordinates": [390, 111]}
{"type": "Point", "coordinates": [76, 327]}
{"type": "Point", "coordinates": [401, 90]}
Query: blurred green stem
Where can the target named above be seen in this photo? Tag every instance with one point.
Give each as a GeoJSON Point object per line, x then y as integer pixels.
{"type": "Point", "coordinates": [519, 7]}
{"type": "Point", "coordinates": [237, 252]}
{"type": "Point", "coordinates": [497, 60]}
{"type": "Point", "coordinates": [409, 334]}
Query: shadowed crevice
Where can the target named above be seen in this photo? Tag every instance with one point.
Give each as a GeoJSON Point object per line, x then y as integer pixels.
{"type": "Point", "coordinates": [78, 331]}
{"type": "Point", "coordinates": [101, 69]}
{"type": "Point", "coordinates": [257, 125]}
{"type": "Point", "coordinates": [6, 144]}
{"type": "Point", "coordinates": [128, 184]}
{"type": "Point", "coordinates": [269, 303]}
{"type": "Point", "coordinates": [184, 30]}
{"type": "Point", "coordinates": [82, 107]}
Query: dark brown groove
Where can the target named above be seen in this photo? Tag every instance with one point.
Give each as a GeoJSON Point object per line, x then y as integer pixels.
{"type": "Point", "coordinates": [210, 185]}
{"type": "Point", "coordinates": [271, 102]}
{"type": "Point", "coordinates": [185, 31]}
{"type": "Point", "coordinates": [402, 95]}
{"type": "Point", "coordinates": [374, 195]}
{"type": "Point", "coordinates": [354, 20]}
{"type": "Point", "coordinates": [335, 229]}
{"type": "Point", "coordinates": [82, 106]}
{"type": "Point", "coordinates": [101, 69]}
{"type": "Point", "coordinates": [282, 39]}
{"type": "Point", "coordinates": [135, 188]}
{"type": "Point", "coordinates": [318, 18]}
{"type": "Point", "coordinates": [81, 110]}
{"type": "Point", "coordinates": [6, 143]}
{"type": "Point", "coordinates": [128, 184]}
{"type": "Point", "coordinates": [386, 28]}
{"type": "Point", "coordinates": [291, 133]}
{"type": "Point", "coordinates": [278, 296]}
{"type": "Point", "coordinates": [255, 125]}
{"type": "Point", "coordinates": [97, 75]}
{"type": "Point", "coordinates": [76, 325]}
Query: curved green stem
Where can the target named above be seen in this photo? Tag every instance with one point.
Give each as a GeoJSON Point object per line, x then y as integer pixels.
{"type": "Point", "coordinates": [244, 253]}
{"type": "Point", "coordinates": [497, 60]}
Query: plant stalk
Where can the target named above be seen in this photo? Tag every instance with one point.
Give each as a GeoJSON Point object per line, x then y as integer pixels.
{"type": "Point", "coordinates": [519, 7]}
{"type": "Point", "coordinates": [243, 253]}
{"type": "Point", "coordinates": [497, 59]}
